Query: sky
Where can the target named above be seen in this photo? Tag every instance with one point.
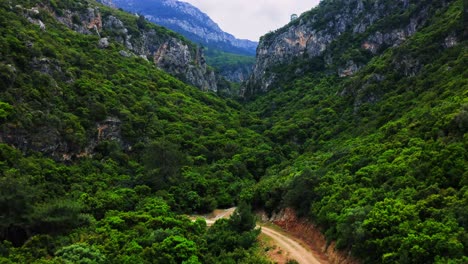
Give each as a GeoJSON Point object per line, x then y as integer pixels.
{"type": "Point", "coordinates": [251, 19]}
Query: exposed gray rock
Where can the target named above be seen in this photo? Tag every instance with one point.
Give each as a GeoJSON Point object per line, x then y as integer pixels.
{"type": "Point", "coordinates": [47, 66]}
{"type": "Point", "coordinates": [349, 69]}
{"type": "Point", "coordinates": [42, 26]}
{"type": "Point", "coordinates": [407, 65]}
{"type": "Point", "coordinates": [38, 22]}
{"type": "Point", "coordinates": [33, 11]}
{"type": "Point", "coordinates": [238, 75]}
{"type": "Point", "coordinates": [103, 43]}
{"type": "Point", "coordinates": [125, 54]}
{"type": "Point", "coordinates": [176, 57]}
{"type": "Point", "coordinates": [312, 34]}
{"type": "Point", "coordinates": [27, 139]}
{"type": "Point", "coordinates": [109, 129]}
{"type": "Point", "coordinates": [450, 41]}
{"type": "Point", "coordinates": [187, 20]}
{"type": "Point", "coordinates": [111, 22]}
{"type": "Point", "coordinates": [171, 54]}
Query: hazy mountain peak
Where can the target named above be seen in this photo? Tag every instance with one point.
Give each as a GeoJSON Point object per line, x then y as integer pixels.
{"type": "Point", "coordinates": [189, 21]}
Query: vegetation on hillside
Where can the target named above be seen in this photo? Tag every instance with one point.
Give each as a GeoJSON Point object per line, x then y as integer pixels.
{"type": "Point", "coordinates": [224, 61]}
{"type": "Point", "coordinates": [231, 66]}
{"type": "Point", "coordinates": [101, 154]}
{"type": "Point", "coordinates": [379, 160]}
{"type": "Point", "coordinates": [70, 194]}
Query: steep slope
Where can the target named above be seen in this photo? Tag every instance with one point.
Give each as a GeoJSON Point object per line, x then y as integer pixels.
{"type": "Point", "coordinates": [235, 68]}
{"type": "Point", "coordinates": [339, 36]}
{"type": "Point", "coordinates": [101, 151]}
{"type": "Point", "coordinates": [377, 160]}
{"type": "Point", "coordinates": [189, 21]}
{"type": "Point", "coordinates": [233, 58]}
{"type": "Point", "coordinates": [167, 50]}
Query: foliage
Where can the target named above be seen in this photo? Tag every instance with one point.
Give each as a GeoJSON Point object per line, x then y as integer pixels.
{"type": "Point", "coordinates": [101, 154]}
{"type": "Point", "coordinates": [378, 160]}
{"type": "Point", "coordinates": [223, 61]}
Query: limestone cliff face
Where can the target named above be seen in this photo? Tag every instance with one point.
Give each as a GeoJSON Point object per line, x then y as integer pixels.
{"type": "Point", "coordinates": [176, 56]}
{"type": "Point", "coordinates": [196, 26]}
{"type": "Point", "coordinates": [237, 74]}
{"type": "Point", "coordinates": [187, 20]}
{"type": "Point", "coordinates": [173, 55]}
{"type": "Point", "coordinates": [366, 27]}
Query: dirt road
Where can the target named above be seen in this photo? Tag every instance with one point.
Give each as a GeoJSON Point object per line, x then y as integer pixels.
{"type": "Point", "coordinates": [218, 214]}
{"type": "Point", "coordinates": [294, 248]}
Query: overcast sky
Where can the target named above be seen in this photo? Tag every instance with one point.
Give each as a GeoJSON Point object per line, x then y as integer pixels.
{"type": "Point", "coordinates": [250, 19]}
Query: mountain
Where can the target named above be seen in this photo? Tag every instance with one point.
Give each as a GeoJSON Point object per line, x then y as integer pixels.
{"type": "Point", "coordinates": [189, 21]}
{"type": "Point", "coordinates": [231, 58]}
{"type": "Point", "coordinates": [166, 49]}
{"type": "Point", "coordinates": [353, 132]}
{"type": "Point", "coordinates": [101, 151]}
{"type": "Point", "coordinates": [367, 102]}
{"type": "Point", "coordinates": [340, 36]}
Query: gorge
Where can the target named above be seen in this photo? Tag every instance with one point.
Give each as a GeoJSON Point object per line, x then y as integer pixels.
{"type": "Point", "coordinates": [353, 125]}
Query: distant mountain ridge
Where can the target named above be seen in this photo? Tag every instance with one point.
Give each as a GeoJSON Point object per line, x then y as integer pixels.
{"type": "Point", "coordinates": [189, 21]}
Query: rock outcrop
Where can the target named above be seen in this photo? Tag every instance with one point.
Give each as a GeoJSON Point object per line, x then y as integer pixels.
{"type": "Point", "coordinates": [176, 56]}
{"type": "Point", "coordinates": [187, 20]}
{"type": "Point", "coordinates": [170, 53]}
{"type": "Point", "coordinates": [173, 55]}
{"type": "Point", "coordinates": [238, 75]}
{"type": "Point", "coordinates": [361, 27]}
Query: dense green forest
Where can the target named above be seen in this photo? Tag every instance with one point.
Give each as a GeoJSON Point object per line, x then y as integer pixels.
{"type": "Point", "coordinates": [378, 160]}
{"type": "Point", "coordinates": [70, 195]}
{"type": "Point", "coordinates": [101, 155]}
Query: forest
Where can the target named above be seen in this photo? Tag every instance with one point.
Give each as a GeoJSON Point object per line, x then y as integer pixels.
{"type": "Point", "coordinates": [103, 156]}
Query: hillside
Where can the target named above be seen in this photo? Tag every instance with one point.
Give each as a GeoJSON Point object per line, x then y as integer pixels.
{"type": "Point", "coordinates": [355, 119]}
{"type": "Point", "coordinates": [100, 153]}
{"type": "Point", "coordinates": [189, 21]}
{"type": "Point", "coordinates": [377, 159]}
{"type": "Point", "coordinates": [232, 57]}
{"type": "Point", "coordinates": [337, 37]}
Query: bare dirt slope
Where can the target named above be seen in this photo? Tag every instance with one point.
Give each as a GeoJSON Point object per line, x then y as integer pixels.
{"type": "Point", "coordinates": [295, 250]}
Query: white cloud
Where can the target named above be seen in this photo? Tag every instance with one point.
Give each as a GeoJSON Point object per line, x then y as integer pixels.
{"type": "Point", "coordinates": [250, 19]}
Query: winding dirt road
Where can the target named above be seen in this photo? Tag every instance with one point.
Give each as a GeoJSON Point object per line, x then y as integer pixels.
{"type": "Point", "coordinates": [297, 251]}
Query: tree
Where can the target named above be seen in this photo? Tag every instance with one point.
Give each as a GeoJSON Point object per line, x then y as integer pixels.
{"type": "Point", "coordinates": [141, 22]}
{"type": "Point", "coordinates": [243, 219]}
{"type": "Point", "coordinates": [16, 203]}
{"type": "Point", "coordinates": [57, 216]}
{"type": "Point", "coordinates": [174, 249]}
{"type": "Point", "coordinates": [163, 161]}
{"type": "Point", "coordinates": [81, 253]}
{"type": "Point", "coordinates": [5, 110]}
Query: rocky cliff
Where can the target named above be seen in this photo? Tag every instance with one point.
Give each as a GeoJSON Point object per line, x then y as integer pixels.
{"type": "Point", "coordinates": [338, 35]}
{"type": "Point", "coordinates": [102, 31]}
{"type": "Point", "coordinates": [187, 20]}
{"type": "Point", "coordinates": [169, 51]}
{"type": "Point", "coordinates": [238, 74]}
